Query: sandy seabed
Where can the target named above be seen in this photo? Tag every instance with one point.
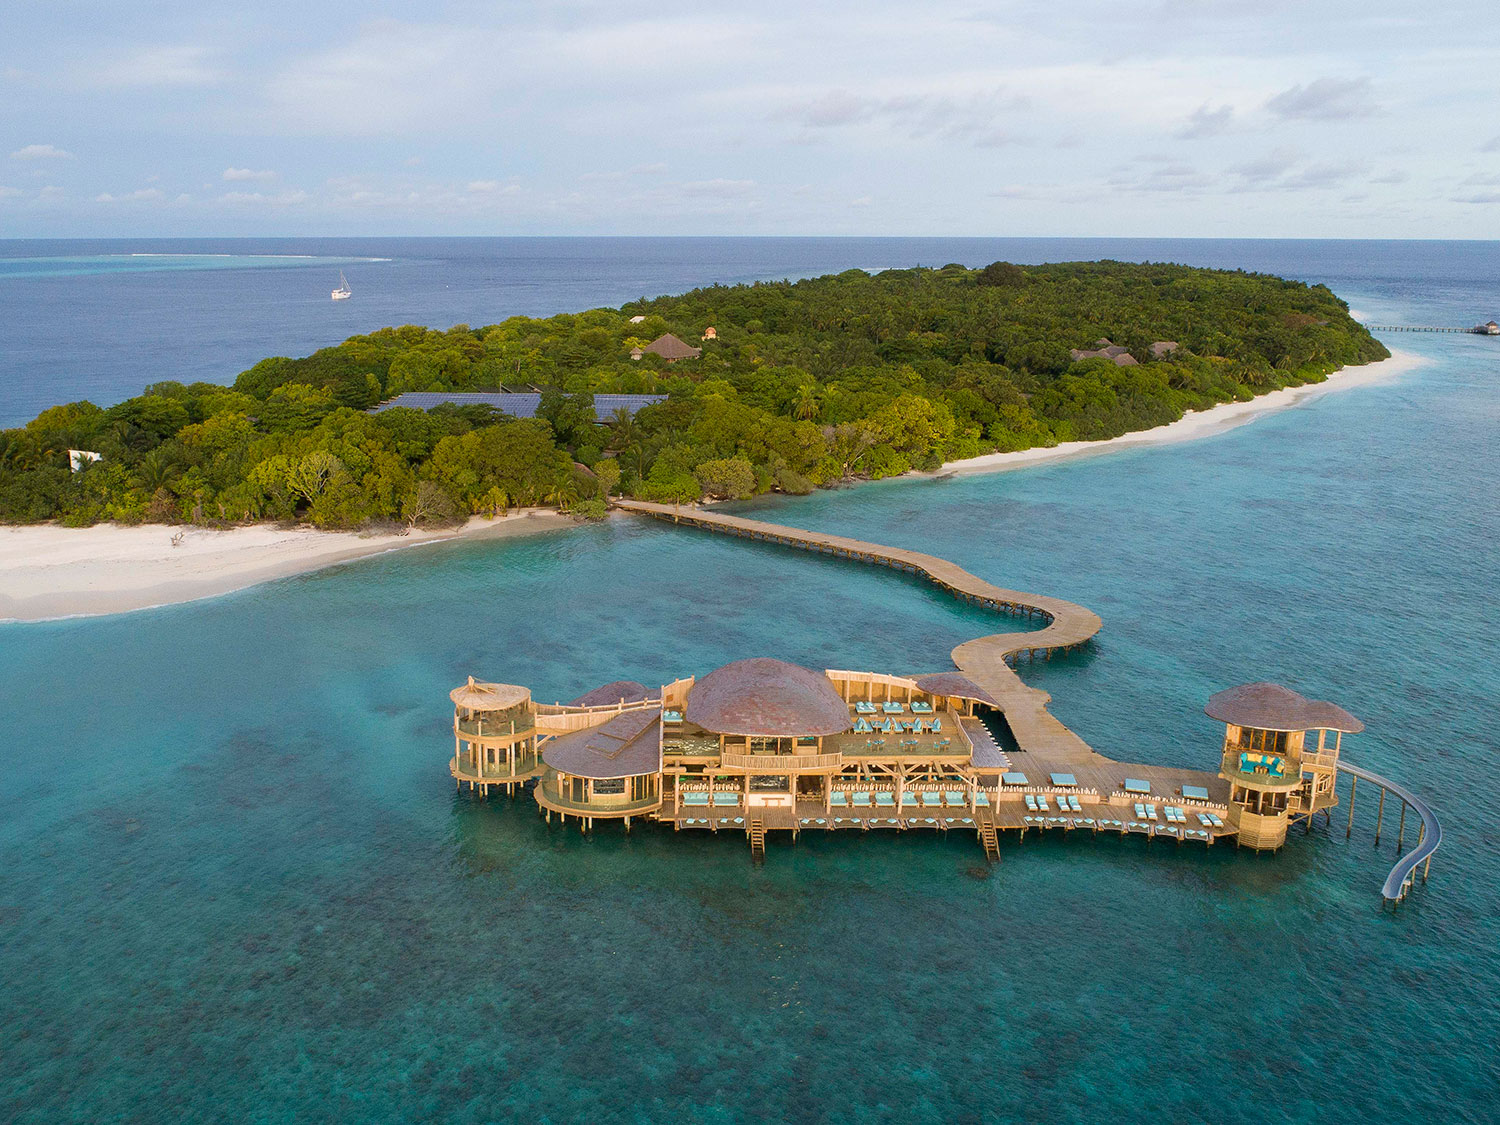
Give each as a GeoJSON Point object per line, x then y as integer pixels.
{"type": "Point", "coordinates": [49, 571]}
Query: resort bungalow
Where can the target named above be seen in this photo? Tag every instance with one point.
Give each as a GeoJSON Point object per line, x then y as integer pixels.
{"type": "Point", "coordinates": [669, 347]}
{"type": "Point", "coordinates": [1275, 777]}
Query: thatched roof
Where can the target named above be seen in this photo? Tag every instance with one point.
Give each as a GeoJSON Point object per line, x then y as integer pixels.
{"type": "Point", "coordinates": [627, 745]}
{"type": "Point", "coordinates": [766, 698]}
{"type": "Point", "coordinates": [488, 697]}
{"type": "Point", "coordinates": [955, 685]}
{"type": "Point", "coordinates": [627, 690]}
{"type": "Point", "coordinates": [669, 346]}
{"type": "Point", "coordinates": [1273, 707]}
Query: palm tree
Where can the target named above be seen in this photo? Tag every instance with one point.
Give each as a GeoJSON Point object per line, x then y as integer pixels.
{"type": "Point", "coordinates": [805, 403]}
{"type": "Point", "coordinates": [155, 470]}
{"type": "Point", "coordinates": [623, 430]}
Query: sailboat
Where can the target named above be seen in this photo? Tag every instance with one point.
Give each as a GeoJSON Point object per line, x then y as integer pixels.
{"type": "Point", "coordinates": [343, 292]}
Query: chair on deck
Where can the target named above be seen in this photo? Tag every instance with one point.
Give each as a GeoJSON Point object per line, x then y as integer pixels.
{"type": "Point", "coordinates": [861, 726]}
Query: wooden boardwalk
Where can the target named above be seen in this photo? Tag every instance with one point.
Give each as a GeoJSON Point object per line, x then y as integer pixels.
{"type": "Point", "coordinates": [1046, 745]}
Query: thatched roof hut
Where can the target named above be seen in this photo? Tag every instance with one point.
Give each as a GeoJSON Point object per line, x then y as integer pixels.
{"type": "Point", "coordinates": [626, 746]}
{"type": "Point", "coordinates": [670, 348]}
{"type": "Point", "coordinates": [765, 698]}
{"type": "Point", "coordinates": [475, 696]}
{"type": "Point", "coordinates": [1265, 706]}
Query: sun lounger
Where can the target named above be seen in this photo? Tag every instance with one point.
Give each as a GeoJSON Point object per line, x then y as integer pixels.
{"type": "Point", "coordinates": [909, 799]}
{"type": "Point", "coordinates": [864, 707]}
{"type": "Point", "coordinates": [932, 798]}
{"type": "Point", "coordinates": [726, 798]}
{"type": "Point", "coordinates": [885, 800]}
{"type": "Point", "coordinates": [839, 799]}
{"type": "Point", "coordinates": [861, 798]}
{"type": "Point", "coordinates": [695, 798]}
{"type": "Point", "coordinates": [1151, 812]}
{"type": "Point", "coordinates": [981, 799]}
{"type": "Point", "coordinates": [671, 716]}
{"type": "Point", "coordinates": [1041, 802]}
{"type": "Point", "coordinates": [1140, 811]}
{"type": "Point", "coordinates": [922, 708]}
{"type": "Point", "coordinates": [956, 798]}
{"type": "Point", "coordinates": [891, 707]}
{"type": "Point", "coordinates": [1073, 803]}
{"type": "Point", "coordinates": [1031, 802]}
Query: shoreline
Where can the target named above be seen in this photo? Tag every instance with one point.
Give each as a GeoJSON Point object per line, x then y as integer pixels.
{"type": "Point", "coordinates": [1193, 425]}
{"type": "Point", "coordinates": [50, 573]}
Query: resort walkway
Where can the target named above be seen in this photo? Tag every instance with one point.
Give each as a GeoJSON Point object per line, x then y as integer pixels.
{"type": "Point", "coordinates": [1044, 744]}
{"type": "Point", "coordinates": [987, 660]}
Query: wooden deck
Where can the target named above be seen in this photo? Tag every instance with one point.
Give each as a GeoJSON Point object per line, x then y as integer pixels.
{"type": "Point", "coordinates": [1046, 745]}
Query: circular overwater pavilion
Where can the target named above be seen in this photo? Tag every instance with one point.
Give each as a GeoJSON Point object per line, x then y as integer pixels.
{"type": "Point", "coordinates": [611, 771]}
{"type": "Point", "coordinates": [494, 736]}
{"type": "Point", "coordinates": [1275, 778]}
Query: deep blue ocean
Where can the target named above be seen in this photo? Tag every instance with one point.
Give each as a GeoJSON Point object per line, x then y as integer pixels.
{"type": "Point", "coordinates": [238, 886]}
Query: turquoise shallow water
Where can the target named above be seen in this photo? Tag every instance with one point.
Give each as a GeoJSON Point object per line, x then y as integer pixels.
{"type": "Point", "coordinates": [237, 884]}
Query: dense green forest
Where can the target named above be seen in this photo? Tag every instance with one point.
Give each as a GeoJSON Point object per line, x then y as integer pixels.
{"type": "Point", "coordinates": [807, 384]}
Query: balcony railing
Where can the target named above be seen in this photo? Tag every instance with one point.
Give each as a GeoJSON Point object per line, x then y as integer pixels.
{"type": "Point", "coordinates": [479, 728]}
{"type": "Point", "coordinates": [780, 763]}
{"type": "Point", "coordinates": [612, 805]}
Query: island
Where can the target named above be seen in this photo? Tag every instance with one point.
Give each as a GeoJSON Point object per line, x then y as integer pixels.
{"type": "Point", "coordinates": [719, 393]}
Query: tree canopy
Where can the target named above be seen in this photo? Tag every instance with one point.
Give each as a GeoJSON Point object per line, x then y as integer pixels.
{"type": "Point", "coordinates": [806, 384]}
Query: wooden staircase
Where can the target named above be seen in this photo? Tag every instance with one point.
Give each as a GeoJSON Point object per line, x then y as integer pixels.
{"type": "Point", "coordinates": [990, 840]}
{"type": "Point", "coordinates": [757, 839]}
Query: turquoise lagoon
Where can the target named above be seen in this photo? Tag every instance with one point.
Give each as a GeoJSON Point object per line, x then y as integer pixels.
{"type": "Point", "coordinates": [238, 884]}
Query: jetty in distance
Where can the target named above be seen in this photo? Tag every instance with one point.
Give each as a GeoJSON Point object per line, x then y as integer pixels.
{"type": "Point", "coordinates": [762, 746]}
{"type": "Point", "coordinates": [1488, 328]}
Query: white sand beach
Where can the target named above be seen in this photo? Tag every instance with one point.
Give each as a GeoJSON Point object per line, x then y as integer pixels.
{"type": "Point", "coordinates": [1197, 424]}
{"type": "Point", "coordinates": [49, 571]}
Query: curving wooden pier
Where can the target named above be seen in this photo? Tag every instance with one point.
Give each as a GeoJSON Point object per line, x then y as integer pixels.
{"type": "Point", "coordinates": [1044, 745]}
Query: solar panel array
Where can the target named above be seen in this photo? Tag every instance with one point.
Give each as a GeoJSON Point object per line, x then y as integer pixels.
{"type": "Point", "coordinates": [518, 404]}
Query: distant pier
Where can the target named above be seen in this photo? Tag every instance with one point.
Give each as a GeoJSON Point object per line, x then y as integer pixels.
{"type": "Point", "coordinates": [1489, 329]}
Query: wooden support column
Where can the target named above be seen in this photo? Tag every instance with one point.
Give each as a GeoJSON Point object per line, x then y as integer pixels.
{"type": "Point", "coordinates": [1401, 830]}
{"type": "Point", "coordinates": [1353, 785]}
{"type": "Point", "coordinates": [1379, 813]}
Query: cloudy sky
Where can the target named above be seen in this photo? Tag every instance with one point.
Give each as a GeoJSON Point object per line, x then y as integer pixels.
{"type": "Point", "coordinates": [1310, 118]}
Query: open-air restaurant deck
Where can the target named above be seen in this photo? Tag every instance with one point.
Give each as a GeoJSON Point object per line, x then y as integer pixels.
{"type": "Point", "coordinates": [763, 746]}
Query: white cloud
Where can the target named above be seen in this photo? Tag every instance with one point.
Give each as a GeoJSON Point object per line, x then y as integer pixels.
{"type": "Point", "coordinates": [238, 174]}
{"type": "Point", "coordinates": [491, 187]}
{"type": "Point", "coordinates": [41, 152]}
{"type": "Point", "coordinates": [1206, 122]}
{"type": "Point", "coordinates": [155, 66]}
{"type": "Point", "coordinates": [10, 192]}
{"type": "Point", "coordinates": [141, 196]}
{"type": "Point", "coordinates": [1326, 99]}
{"type": "Point", "coordinates": [279, 199]}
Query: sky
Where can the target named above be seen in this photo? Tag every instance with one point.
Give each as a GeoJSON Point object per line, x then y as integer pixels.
{"type": "Point", "coordinates": [1192, 118]}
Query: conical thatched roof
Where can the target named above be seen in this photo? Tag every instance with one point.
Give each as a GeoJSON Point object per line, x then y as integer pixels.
{"type": "Point", "coordinates": [670, 347]}
{"type": "Point", "coordinates": [1266, 706]}
{"type": "Point", "coordinates": [488, 697]}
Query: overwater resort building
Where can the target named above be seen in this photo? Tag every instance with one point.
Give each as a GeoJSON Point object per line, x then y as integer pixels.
{"type": "Point", "coordinates": [763, 746]}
